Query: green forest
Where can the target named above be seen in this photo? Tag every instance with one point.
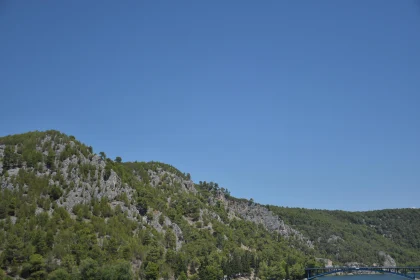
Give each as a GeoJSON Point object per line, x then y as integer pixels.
{"type": "Point", "coordinates": [67, 212]}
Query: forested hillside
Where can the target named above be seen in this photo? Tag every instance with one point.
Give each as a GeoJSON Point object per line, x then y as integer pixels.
{"type": "Point", "coordinates": [67, 212]}
{"type": "Point", "coordinates": [360, 236]}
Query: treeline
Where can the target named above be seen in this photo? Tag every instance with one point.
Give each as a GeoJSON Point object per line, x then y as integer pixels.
{"type": "Point", "coordinates": [208, 189]}
{"type": "Point", "coordinates": [142, 169]}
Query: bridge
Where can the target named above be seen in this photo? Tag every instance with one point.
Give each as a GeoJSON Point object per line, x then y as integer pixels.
{"type": "Point", "coordinates": [407, 272]}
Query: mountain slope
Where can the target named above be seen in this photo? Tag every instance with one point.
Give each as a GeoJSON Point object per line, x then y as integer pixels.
{"type": "Point", "coordinates": [67, 211]}
{"type": "Point", "coordinates": [360, 236]}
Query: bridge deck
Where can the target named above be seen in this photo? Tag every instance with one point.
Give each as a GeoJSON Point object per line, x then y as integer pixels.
{"type": "Point", "coordinates": [408, 272]}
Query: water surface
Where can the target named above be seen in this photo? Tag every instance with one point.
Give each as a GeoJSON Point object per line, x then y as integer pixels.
{"type": "Point", "coordinates": [366, 277]}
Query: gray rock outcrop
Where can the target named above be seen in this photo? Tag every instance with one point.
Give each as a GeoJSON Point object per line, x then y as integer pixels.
{"type": "Point", "coordinates": [258, 214]}
{"type": "Point", "coordinates": [388, 261]}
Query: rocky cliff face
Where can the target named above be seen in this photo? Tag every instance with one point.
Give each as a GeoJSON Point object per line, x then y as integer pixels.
{"type": "Point", "coordinates": [162, 176]}
{"type": "Point", "coordinates": [259, 214]}
{"type": "Point", "coordinates": [86, 178]}
{"type": "Point", "coordinates": [388, 261]}
{"type": "Point", "coordinates": [1, 156]}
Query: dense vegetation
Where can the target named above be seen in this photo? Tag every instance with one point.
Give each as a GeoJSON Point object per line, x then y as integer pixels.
{"type": "Point", "coordinates": [359, 236]}
{"type": "Point", "coordinates": [67, 213]}
{"type": "Point", "coordinates": [44, 236]}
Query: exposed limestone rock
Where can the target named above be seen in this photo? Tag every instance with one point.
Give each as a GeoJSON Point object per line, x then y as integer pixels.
{"type": "Point", "coordinates": [327, 262]}
{"type": "Point", "coordinates": [261, 215]}
{"type": "Point", "coordinates": [178, 234]}
{"type": "Point", "coordinates": [85, 192]}
{"type": "Point", "coordinates": [355, 264]}
{"type": "Point", "coordinates": [334, 238]}
{"type": "Point", "coordinates": [60, 148]}
{"type": "Point", "coordinates": [2, 147]}
{"type": "Point", "coordinates": [155, 221]}
{"type": "Point", "coordinates": [163, 176]}
{"type": "Point", "coordinates": [179, 238]}
{"type": "Point", "coordinates": [211, 214]}
{"type": "Point", "coordinates": [47, 138]}
{"type": "Point", "coordinates": [177, 230]}
{"type": "Point", "coordinates": [5, 184]}
{"type": "Point", "coordinates": [38, 210]}
{"type": "Point", "coordinates": [13, 172]}
{"type": "Point", "coordinates": [388, 261]}
{"type": "Point", "coordinates": [131, 210]}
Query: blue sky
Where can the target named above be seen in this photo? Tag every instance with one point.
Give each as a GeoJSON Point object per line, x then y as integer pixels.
{"type": "Point", "coordinates": [295, 103]}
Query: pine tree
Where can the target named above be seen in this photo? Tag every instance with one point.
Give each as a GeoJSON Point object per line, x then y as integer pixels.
{"type": "Point", "coordinates": [37, 267]}
{"type": "Point", "coordinates": [152, 271]}
{"type": "Point", "coordinates": [14, 248]}
{"type": "Point", "coordinates": [50, 159]}
{"type": "Point", "coordinates": [40, 243]}
{"type": "Point", "coordinates": [170, 239]}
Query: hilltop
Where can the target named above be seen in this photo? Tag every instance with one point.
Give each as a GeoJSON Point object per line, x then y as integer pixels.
{"type": "Point", "coordinates": [67, 212]}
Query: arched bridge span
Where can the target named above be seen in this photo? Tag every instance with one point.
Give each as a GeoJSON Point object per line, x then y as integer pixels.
{"type": "Point", "coordinates": [407, 272]}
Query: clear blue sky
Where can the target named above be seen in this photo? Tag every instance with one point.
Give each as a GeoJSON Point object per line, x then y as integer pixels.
{"type": "Point", "coordinates": [295, 103]}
